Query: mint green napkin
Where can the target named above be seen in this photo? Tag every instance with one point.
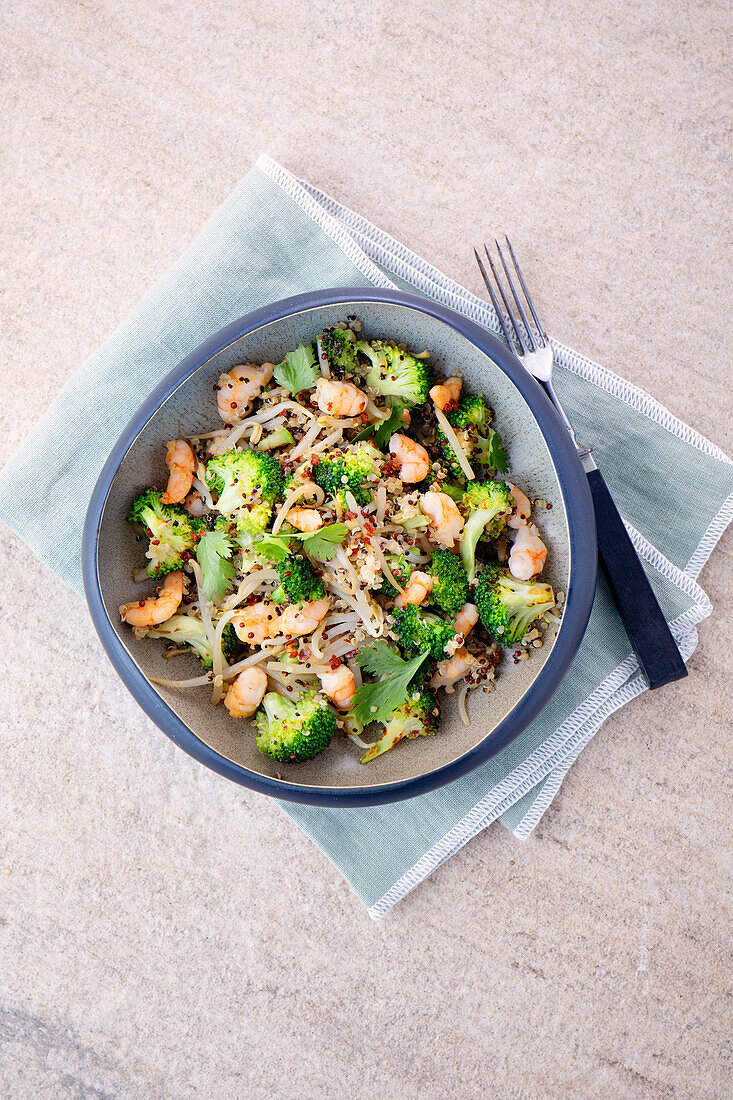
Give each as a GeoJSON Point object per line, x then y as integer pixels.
{"type": "Point", "coordinates": [276, 236]}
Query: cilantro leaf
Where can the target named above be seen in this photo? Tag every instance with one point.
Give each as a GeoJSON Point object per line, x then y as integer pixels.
{"type": "Point", "coordinates": [274, 547]}
{"type": "Point", "coordinates": [384, 431]}
{"type": "Point", "coordinates": [324, 543]}
{"type": "Point", "coordinates": [375, 702]}
{"type": "Point", "coordinates": [498, 456]}
{"type": "Point", "coordinates": [493, 453]}
{"type": "Point", "coordinates": [298, 370]}
{"type": "Point", "coordinates": [213, 553]}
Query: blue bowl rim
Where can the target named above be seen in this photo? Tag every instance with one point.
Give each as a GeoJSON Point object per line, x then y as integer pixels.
{"type": "Point", "coordinates": [579, 597]}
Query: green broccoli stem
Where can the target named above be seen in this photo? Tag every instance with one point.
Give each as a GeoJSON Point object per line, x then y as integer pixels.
{"type": "Point", "coordinates": [472, 532]}
{"type": "Point", "coordinates": [277, 707]}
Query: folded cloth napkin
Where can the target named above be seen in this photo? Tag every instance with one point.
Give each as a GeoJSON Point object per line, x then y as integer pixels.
{"type": "Point", "coordinates": [276, 236]}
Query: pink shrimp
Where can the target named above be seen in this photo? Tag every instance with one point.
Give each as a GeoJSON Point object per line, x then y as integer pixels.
{"type": "Point", "coordinates": [466, 619]}
{"type": "Point", "coordinates": [446, 522]}
{"type": "Point", "coordinates": [300, 619]}
{"type": "Point", "coordinates": [528, 553]}
{"type": "Point", "coordinates": [256, 623]}
{"type": "Point", "coordinates": [340, 398]}
{"type": "Point", "coordinates": [238, 389]}
{"type": "Point", "coordinates": [411, 457]}
{"type": "Point", "coordinates": [446, 393]}
{"type": "Point", "coordinates": [455, 668]}
{"type": "Point", "coordinates": [522, 509]}
{"type": "Point", "coordinates": [339, 685]}
{"type": "Point", "coordinates": [156, 609]}
{"type": "Point", "coordinates": [246, 693]}
{"type": "Point", "coordinates": [181, 463]}
{"type": "Point", "coordinates": [304, 519]}
{"type": "Point", "coordinates": [417, 589]}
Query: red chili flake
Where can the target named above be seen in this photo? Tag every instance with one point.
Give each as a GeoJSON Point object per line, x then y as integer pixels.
{"type": "Point", "coordinates": [315, 461]}
{"type": "Point", "coordinates": [335, 663]}
{"type": "Point", "coordinates": [156, 542]}
{"type": "Point", "coordinates": [186, 555]}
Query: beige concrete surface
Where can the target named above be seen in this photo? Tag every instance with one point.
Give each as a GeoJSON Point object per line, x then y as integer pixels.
{"type": "Point", "coordinates": [164, 934]}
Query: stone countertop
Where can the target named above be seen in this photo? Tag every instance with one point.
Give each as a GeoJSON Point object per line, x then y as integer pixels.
{"type": "Point", "coordinates": [165, 934]}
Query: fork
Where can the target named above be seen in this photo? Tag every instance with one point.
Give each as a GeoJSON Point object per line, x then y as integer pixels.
{"type": "Point", "coordinates": [656, 650]}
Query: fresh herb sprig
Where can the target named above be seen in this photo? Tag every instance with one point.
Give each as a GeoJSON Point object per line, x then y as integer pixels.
{"type": "Point", "coordinates": [321, 544]}
{"type": "Point", "coordinates": [382, 431]}
{"type": "Point", "coordinates": [298, 370]}
{"type": "Point", "coordinates": [495, 455]}
{"type": "Point", "coordinates": [375, 702]}
{"type": "Point", "coordinates": [214, 551]}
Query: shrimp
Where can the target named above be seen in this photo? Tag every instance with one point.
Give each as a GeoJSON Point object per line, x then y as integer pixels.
{"type": "Point", "coordinates": [194, 503]}
{"type": "Point", "coordinates": [304, 519]}
{"type": "Point", "coordinates": [456, 668]}
{"type": "Point", "coordinates": [466, 619]}
{"type": "Point", "coordinates": [180, 461]}
{"type": "Point", "coordinates": [417, 589]}
{"type": "Point", "coordinates": [522, 509]}
{"type": "Point", "coordinates": [446, 521]}
{"type": "Point", "coordinates": [245, 694]}
{"type": "Point", "coordinates": [299, 619]}
{"type": "Point", "coordinates": [528, 553]}
{"type": "Point", "coordinates": [340, 398]}
{"type": "Point", "coordinates": [411, 457]}
{"type": "Point", "coordinates": [340, 686]}
{"type": "Point", "coordinates": [238, 389]}
{"type": "Point", "coordinates": [446, 393]}
{"type": "Point", "coordinates": [257, 622]}
{"type": "Point", "coordinates": [156, 609]}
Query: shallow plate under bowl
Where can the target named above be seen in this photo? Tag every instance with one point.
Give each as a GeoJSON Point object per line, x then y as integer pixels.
{"type": "Point", "coordinates": [543, 462]}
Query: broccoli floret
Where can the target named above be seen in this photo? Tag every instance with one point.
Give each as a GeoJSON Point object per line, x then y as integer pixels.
{"type": "Point", "coordinates": [472, 412]}
{"type": "Point", "coordinates": [247, 483]}
{"type": "Point", "coordinates": [298, 580]}
{"type": "Point", "coordinates": [489, 505]}
{"type": "Point", "coordinates": [418, 716]}
{"type": "Point", "coordinates": [186, 630]}
{"type": "Point", "coordinates": [420, 630]}
{"type": "Point", "coordinates": [471, 421]}
{"type": "Point", "coordinates": [450, 582]}
{"type": "Point", "coordinates": [172, 531]}
{"type": "Point", "coordinates": [401, 569]}
{"type": "Point", "coordinates": [339, 347]}
{"type": "Point", "coordinates": [396, 373]}
{"type": "Point", "coordinates": [294, 731]}
{"type": "Point", "coordinates": [508, 607]}
{"type": "Point", "coordinates": [348, 469]}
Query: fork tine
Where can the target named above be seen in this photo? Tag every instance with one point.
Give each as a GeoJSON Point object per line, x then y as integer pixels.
{"type": "Point", "coordinates": [507, 307]}
{"type": "Point", "coordinates": [522, 314]}
{"type": "Point", "coordinates": [495, 304]}
{"type": "Point", "coordinates": [533, 311]}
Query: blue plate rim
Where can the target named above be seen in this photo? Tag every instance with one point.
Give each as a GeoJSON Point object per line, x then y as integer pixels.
{"type": "Point", "coordinates": [579, 598]}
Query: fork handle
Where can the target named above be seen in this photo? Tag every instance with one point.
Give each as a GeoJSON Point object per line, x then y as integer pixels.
{"type": "Point", "coordinates": [656, 649]}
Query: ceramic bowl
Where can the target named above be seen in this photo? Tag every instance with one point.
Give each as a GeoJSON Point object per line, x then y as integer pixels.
{"type": "Point", "coordinates": [543, 462]}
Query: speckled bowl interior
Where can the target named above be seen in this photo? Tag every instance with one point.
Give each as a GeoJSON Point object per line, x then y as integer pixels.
{"type": "Point", "coordinates": [191, 408]}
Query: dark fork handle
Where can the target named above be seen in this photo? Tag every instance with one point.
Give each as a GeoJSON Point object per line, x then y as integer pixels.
{"type": "Point", "coordinates": [656, 649]}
